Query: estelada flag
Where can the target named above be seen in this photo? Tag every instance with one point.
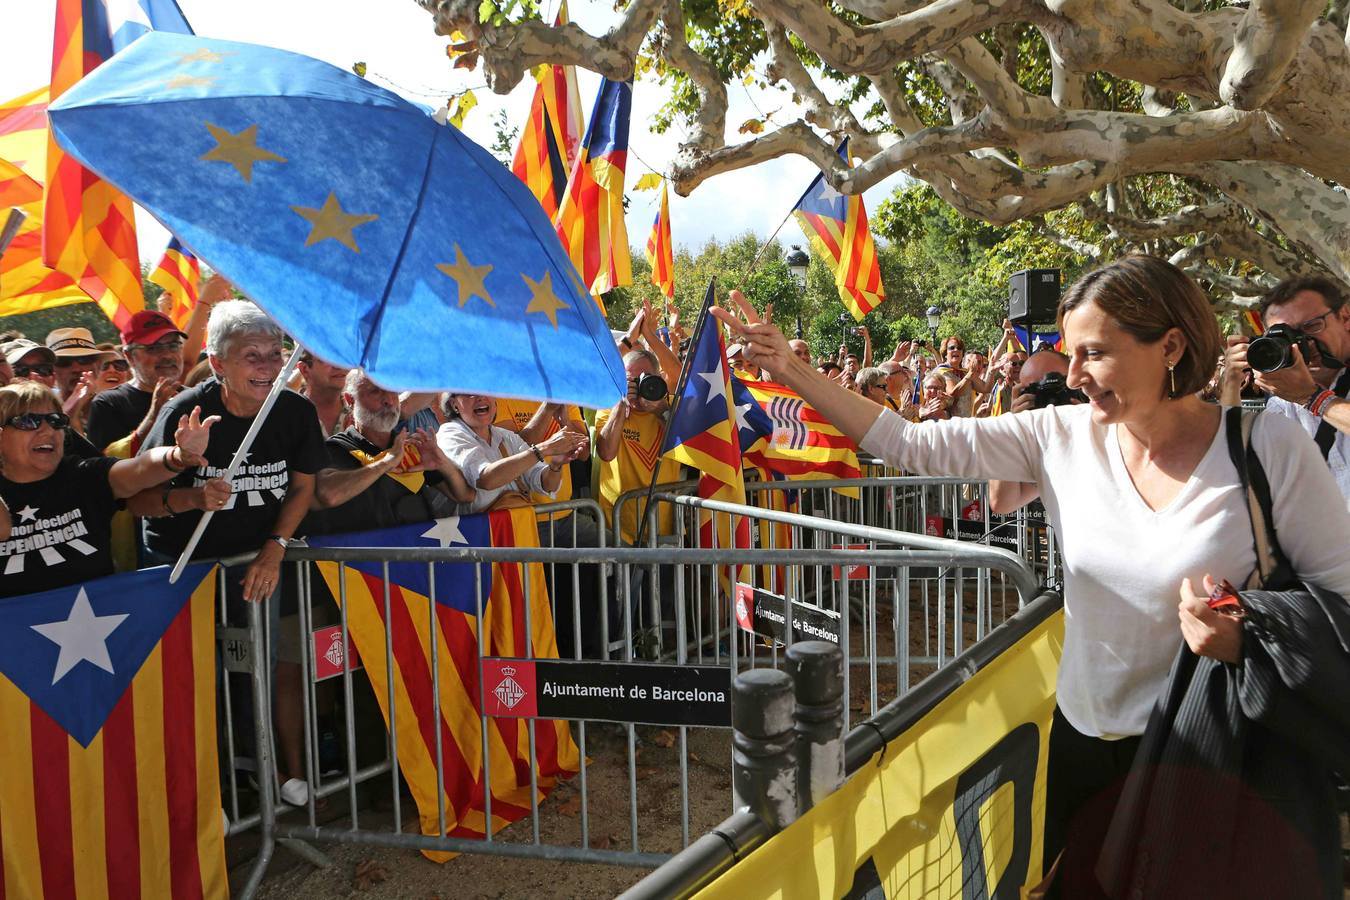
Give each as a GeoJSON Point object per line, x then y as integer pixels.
{"type": "Point", "coordinates": [551, 139]}
{"type": "Point", "coordinates": [180, 274]}
{"type": "Point", "coordinates": [836, 225]}
{"type": "Point", "coordinates": [445, 629]}
{"type": "Point", "coordinates": [108, 698]}
{"type": "Point", "coordinates": [590, 220]}
{"type": "Point", "coordinates": [89, 230]}
{"type": "Point", "coordinates": [784, 434]}
{"type": "Point", "coordinates": [26, 283]}
{"type": "Point", "coordinates": [660, 252]}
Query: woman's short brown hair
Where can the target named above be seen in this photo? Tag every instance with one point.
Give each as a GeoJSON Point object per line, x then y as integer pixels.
{"type": "Point", "coordinates": [1147, 297]}
{"type": "Point", "coordinates": [25, 397]}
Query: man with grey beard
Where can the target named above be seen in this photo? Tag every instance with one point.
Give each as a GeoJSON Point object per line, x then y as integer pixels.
{"type": "Point", "coordinates": [375, 480]}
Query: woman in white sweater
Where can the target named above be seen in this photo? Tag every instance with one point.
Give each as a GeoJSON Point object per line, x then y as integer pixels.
{"type": "Point", "coordinates": [1140, 487]}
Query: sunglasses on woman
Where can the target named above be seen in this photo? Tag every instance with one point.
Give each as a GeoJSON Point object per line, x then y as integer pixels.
{"type": "Point", "coordinates": [33, 421]}
{"type": "Point", "coordinates": [42, 370]}
{"type": "Point", "coordinates": [120, 365]}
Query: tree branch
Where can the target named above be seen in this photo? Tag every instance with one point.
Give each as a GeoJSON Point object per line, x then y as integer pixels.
{"type": "Point", "coordinates": [710, 121]}
{"type": "Point", "coordinates": [1266, 42]}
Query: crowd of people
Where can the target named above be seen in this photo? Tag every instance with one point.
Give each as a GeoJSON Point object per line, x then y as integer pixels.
{"type": "Point", "coordinates": [110, 455]}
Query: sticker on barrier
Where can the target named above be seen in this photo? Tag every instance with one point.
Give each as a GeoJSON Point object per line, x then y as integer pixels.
{"type": "Point", "coordinates": [855, 572]}
{"type": "Point", "coordinates": [330, 656]}
{"type": "Point", "coordinates": [761, 612]}
{"type": "Point", "coordinates": [617, 692]}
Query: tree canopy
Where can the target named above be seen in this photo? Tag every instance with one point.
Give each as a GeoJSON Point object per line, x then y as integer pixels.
{"type": "Point", "coordinates": [1199, 130]}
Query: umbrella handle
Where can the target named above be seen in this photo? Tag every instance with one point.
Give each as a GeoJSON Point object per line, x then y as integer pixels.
{"type": "Point", "coordinates": [254, 427]}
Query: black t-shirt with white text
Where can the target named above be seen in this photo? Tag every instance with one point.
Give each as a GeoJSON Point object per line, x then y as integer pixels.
{"type": "Point", "coordinates": [62, 528]}
{"type": "Point", "coordinates": [289, 441]}
{"type": "Point", "coordinates": [115, 413]}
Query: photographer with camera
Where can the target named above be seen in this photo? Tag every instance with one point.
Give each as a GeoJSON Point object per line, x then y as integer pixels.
{"type": "Point", "coordinates": [1042, 381]}
{"type": "Point", "coordinates": [628, 436]}
{"type": "Point", "coordinates": [1301, 362]}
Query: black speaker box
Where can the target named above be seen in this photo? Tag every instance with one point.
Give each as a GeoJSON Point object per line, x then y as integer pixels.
{"type": "Point", "coordinates": [1033, 296]}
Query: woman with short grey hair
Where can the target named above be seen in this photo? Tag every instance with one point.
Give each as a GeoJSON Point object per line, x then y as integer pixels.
{"type": "Point", "coordinates": [270, 494]}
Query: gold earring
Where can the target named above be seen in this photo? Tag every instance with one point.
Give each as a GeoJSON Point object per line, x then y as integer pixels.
{"type": "Point", "coordinates": [1172, 377]}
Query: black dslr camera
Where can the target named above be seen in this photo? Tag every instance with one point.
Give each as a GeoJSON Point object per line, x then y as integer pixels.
{"type": "Point", "coordinates": [649, 387]}
{"type": "Point", "coordinates": [1275, 349]}
{"type": "Point", "coordinates": [1051, 390]}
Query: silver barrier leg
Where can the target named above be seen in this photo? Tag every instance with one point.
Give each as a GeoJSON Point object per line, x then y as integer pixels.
{"type": "Point", "coordinates": [262, 735]}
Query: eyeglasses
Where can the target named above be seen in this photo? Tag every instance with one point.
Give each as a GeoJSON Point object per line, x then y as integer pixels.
{"type": "Point", "coordinates": [120, 365]}
{"type": "Point", "coordinates": [1317, 324]}
{"type": "Point", "coordinates": [33, 421]}
{"type": "Point", "coordinates": [42, 370]}
{"type": "Point", "coordinates": [65, 362]}
{"type": "Point", "coordinates": [161, 347]}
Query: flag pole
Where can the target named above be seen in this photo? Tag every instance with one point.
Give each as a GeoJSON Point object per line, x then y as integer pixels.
{"type": "Point", "coordinates": [11, 227]}
{"type": "Point", "coordinates": [703, 317]}
{"type": "Point", "coordinates": [254, 427]}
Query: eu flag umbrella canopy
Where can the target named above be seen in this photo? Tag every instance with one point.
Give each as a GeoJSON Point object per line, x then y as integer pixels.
{"type": "Point", "coordinates": [375, 235]}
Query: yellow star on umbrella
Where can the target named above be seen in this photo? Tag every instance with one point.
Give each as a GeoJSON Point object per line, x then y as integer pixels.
{"type": "Point", "coordinates": [187, 81]}
{"type": "Point", "coordinates": [332, 222]}
{"type": "Point", "coordinates": [239, 150]}
{"type": "Point", "coordinates": [201, 54]}
{"type": "Point", "coordinates": [543, 299]}
{"type": "Point", "coordinates": [468, 277]}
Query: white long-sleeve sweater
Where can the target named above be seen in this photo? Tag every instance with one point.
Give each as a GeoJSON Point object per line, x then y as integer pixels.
{"type": "Point", "coordinates": [1124, 562]}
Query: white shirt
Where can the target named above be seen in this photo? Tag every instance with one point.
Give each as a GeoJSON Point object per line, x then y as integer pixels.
{"type": "Point", "coordinates": [1338, 460]}
{"type": "Point", "coordinates": [471, 454]}
{"type": "Point", "coordinates": [1124, 562]}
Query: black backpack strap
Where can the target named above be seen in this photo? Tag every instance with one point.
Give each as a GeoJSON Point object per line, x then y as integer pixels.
{"type": "Point", "coordinates": [1326, 434]}
{"type": "Point", "coordinates": [1273, 566]}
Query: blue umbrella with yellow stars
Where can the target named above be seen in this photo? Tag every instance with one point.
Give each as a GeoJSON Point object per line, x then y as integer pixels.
{"type": "Point", "coordinates": [375, 235]}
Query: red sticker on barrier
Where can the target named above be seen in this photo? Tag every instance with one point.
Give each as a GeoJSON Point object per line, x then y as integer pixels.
{"type": "Point", "coordinates": [745, 607]}
{"type": "Point", "coordinates": [329, 654]}
{"type": "Point", "coordinates": [509, 687]}
{"type": "Point", "coordinates": [856, 572]}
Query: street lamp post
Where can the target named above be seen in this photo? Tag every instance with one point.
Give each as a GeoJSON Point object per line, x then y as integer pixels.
{"type": "Point", "coordinates": [797, 263]}
{"type": "Point", "coordinates": [934, 316]}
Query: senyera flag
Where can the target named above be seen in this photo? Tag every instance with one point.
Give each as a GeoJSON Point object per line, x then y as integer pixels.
{"type": "Point", "coordinates": [180, 274]}
{"type": "Point", "coordinates": [551, 138]}
{"type": "Point", "coordinates": [89, 229]}
{"type": "Point", "coordinates": [590, 221]}
{"type": "Point", "coordinates": [377, 236]}
{"type": "Point", "coordinates": [444, 608]}
{"type": "Point", "coordinates": [836, 225]}
{"type": "Point", "coordinates": [660, 252]}
{"type": "Point", "coordinates": [108, 696]}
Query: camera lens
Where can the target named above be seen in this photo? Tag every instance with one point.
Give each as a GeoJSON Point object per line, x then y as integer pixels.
{"type": "Point", "coordinates": [651, 388]}
{"type": "Point", "coordinates": [1268, 353]}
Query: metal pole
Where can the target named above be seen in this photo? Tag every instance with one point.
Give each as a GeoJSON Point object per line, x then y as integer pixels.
{"type": "Point", "coordinates": [254, 427]}
{"type": "Point", "coordinates": [11, 227]}
{"type": "Point", "coordinates": [764, 777]}
{"type": "Point", "coordinates": [817, 671]}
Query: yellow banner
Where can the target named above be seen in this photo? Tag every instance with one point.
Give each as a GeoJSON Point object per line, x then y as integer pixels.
{"type": "Point", "coordinates": [953, 808]}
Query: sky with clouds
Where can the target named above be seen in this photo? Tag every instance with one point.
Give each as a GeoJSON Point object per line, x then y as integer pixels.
{"type": "Point", "coordinates": [402, 52]}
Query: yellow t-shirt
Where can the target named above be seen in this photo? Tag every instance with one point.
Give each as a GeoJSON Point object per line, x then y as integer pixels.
{"type": "Point", "coordinates": [631, 468]}
{"type": "Point", "coordinates": [519, 413]}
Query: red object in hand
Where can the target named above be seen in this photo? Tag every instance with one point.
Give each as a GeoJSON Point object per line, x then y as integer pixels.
{"type": "Point", "coordinates": [1226, 599]}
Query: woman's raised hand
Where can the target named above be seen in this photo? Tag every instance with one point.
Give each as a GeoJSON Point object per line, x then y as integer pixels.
{"type": "Point", "coordinates": [764, 344]}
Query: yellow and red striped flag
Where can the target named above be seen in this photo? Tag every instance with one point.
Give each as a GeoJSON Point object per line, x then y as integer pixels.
{"type": "Point", "coordinates": [108, 695]}
{"type": "Point", "coordinates": [590, 221]}
{"type": "Point", "coordinates": [660, 252]}
{"type": "Point", "coordinates": [26, 284]}
{"type": "Point", "coordinates": [551, 139]}
{"type": "Point", "coordinates": [1252, 319]}
{"type": "Point", "coordinates": [180, 274]}
{"type": "Point", "coordinates": [460, 591]}
{"type": "Point", "coordinates": [89, 228]}
{"type": "Point", "coordinates": [784, 434]}
{"type": "Point", "coordinates": [836, 225]}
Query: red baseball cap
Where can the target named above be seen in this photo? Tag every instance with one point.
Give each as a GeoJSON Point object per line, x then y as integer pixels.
{"type": "Point", "coordinates": [148, 326]}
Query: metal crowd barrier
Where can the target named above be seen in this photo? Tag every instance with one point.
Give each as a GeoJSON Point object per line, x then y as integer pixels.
{"type": "Point", "coordinates": [702, 632]}
{"type": "Point", "coordinates": [758, 816]}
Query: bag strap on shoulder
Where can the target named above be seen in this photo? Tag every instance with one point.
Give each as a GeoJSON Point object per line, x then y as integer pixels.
{"type": "Point", "coordinates": [1272, 566]}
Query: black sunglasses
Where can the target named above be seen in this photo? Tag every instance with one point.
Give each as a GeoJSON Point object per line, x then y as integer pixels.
{"type": "Point", "coordinates": [33, 421]}
{"type": "Point", "coordinates": [43, 370]}
{"type": "Point", "coordinates": [120, 365]}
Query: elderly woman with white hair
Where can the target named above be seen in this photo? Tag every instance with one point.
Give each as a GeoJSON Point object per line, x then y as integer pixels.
{"type": "Point", "coordinates": [270, 494]}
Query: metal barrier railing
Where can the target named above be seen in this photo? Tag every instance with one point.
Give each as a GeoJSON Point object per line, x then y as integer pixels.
{"type": "Point", "coordinates": [722, 847]}
{"type": "Point", "coordinates": [612, 565]}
